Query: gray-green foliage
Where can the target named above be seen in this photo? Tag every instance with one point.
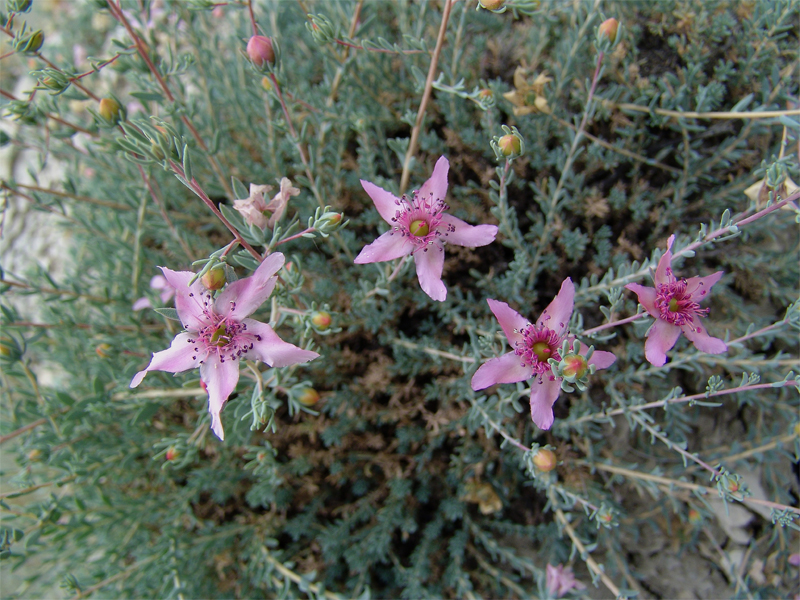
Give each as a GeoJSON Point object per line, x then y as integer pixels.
{"type": "Point", "coordinates": [376, 490]}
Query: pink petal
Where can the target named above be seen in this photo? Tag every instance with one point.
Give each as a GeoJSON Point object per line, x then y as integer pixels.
{"type": "Point", "coordinates": [159, 282]}
{"type": "Point", "coordinates": [188, 299]}
{"type": "Point", "coordinates": [220, 379]}
{"type": "Point", "coordinates": [141, 304]}
{"type": "Point", "coordinates": [647, 297]}
{"type": "Point", "coordinates": [544, 393]}
{"type": "Point", "coordinates": [180, 356]}
{"type": "Point", "coordinates": [660, 339]}
{"type": "Point", "coordinates": [665, 263]}
{"type": "Point", "coordinates": [430, 262]}
{"type": "Point", "coordinates": [465, 234]}
{"type": "Point", "coordinates": [272, 350]}
{"type": "Point", "coordinates": [510, 320]}
{"type": "Point", "coordinates": [388, 204]}
{"type": "Point", "coordinates": [388, 246]}
{"type": "Point", "coordinates": [243, 297]}
{"type": "Point", "coordinates": [601, 359]}
{"type": "Point", "coordinates": [702, 341]}
{"type": "Point", "coordinates": [556, 315]}
{"type": "Point", "coordinates": [699, 287]}
{"type": "Point", "coordinates": [503, 369]}
{"type": "Point", "coordinates": [436, 186]}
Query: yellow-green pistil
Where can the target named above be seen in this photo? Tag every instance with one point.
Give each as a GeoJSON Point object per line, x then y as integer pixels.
{"type": "Point", "coordinates": [673, 305]}
{"type": "Point", "coordinates": [419, 228]}
{"type": "Point", "coordinates": [219, 337]}
{"type": "Point", "coordinates": [542, 351]}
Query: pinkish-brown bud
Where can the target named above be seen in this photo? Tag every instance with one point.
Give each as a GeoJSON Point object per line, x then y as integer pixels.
{"type": "Point", "coordinates": [321, 319]}
{"type": "Point", "coordinates": [260, 51]}
{"type": "Point", "coordinates": [609, 29]}
{"type": "Point", "coordinates": [492, 4]}
{"type": "Point", "coordinates": [308, 397]}
{"type": "Point", "coordinates": [214, 279]}
{"type": "Point", "coordinates": [576, 366]}
{"type": "Point", "coordinates": [172, 453]}
{"type": "Point", "coordinates": [509, 144]}
{"type": "Point", "coordinates": [545, 460]}
{"type": "Point", "coordinates": [109, 109]}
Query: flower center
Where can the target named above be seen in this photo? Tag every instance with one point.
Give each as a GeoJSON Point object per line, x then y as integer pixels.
{"type": "Point", "coordinates": [676, 305]}
{"type": "Point", "coordinates": [223, 336]}
{"type": "Point", "coordinates": [542, 351]}
{"type": "Point", "coordinates": [220, 337]}
{"type": "Point", "coordinates": [419, 228]}
{"type": "Point", "coordinates": [420, 220]}
{"type": "Point", "coordinates": [538, 344]}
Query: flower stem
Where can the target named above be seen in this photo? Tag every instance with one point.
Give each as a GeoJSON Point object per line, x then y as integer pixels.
{"type": "Point", "coordinates": [116, 11]}
{"type": "Point", "coordinates": [594, 330]}
{"type": "Point", "coordinates": [681, 400]}
{"type": "Point", "coordinates": [590, 562]}
{"type": "Point", "coordinates": [426, 94]}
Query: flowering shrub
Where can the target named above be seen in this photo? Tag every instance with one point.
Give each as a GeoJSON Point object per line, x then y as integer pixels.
{"type": "Point", "coordinates": [554, 158]}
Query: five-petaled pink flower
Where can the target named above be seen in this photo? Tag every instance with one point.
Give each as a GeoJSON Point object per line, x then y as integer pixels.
{"type": "Point", "coordinates": [533, 346]}
{"type": "Point", "coordinates": [218, 333]}
{"type": "Point", "coordinates": [560, 580]}
{"type": "Point", "coordinates": [674, 304]}
{"type": "Point", "coordinates": [420, 226]}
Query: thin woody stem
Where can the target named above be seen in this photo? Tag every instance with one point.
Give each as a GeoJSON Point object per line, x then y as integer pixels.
{"type": "Point", "coordinates": [594, 330]}
{"type": "Point", "coordinates": [198, 190]}
{"type": "Point", "coordinates": [681, 400]}
{"type": "Point", "coordinates": [252, 17]}
{"type": "Point", "coordinates": [116, 11]}
{"type": "Point", "coordinates": [743, 220]}
{"type": "Point", "coordinates": [426, 94]}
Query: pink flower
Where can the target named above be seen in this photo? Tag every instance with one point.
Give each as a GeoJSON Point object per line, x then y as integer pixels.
{"type": "Point", "coordinates": [420, 226]}
{"type": "Point", "coordinates": [533, 346]}
{"type": "Point", "coordinates": [560, 580]}
{"type": "Point", "coordinates": [674, 304]}
{"type": "Point", "coordinates": [218, 333]}
{"type": "Point", "coordinates": [159, 283]}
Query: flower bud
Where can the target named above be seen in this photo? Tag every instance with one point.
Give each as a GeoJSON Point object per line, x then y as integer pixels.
{"type": "Point", "coordinates": [102, 350]}
{"type": "Point", "coordinates": [695, 518]}
{"type": "Point", "coordinates": [321, 319]}
{"type": "Point", "coordinates": [35, 455]}
{"type": "Point", "coordinates": [608, 29]}
{"type": "Point", "coordinates": [485, 94]}
{"type": "Point", "coordinates": [545, 460]}
{"type": "Point", "coordinates": [109, 109]}
{"type": "Point", "coordinates": [575, 366]}
{"type": "Point", "coordinates": [172, 453]}
{"type": "Point", "coordinates": [214, 279]}
{"type": "Point", "coordinates": [510, 145]}
{"type": "Point", "coordinates": [492, 4]}
{"type": "Point", "coordinates": [29, 44]}
{"type": "Point", "coordinates": [308, 396]}
{"type": "Point", "coordinates": [260, 51]}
